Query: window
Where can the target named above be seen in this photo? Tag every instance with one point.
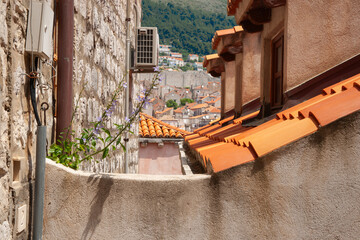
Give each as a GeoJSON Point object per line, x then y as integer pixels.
{"type": "Point", "coordinates": [277, 63]}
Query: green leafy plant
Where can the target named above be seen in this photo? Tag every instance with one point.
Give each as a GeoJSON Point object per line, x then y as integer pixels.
{"type": "Point", "coordinates": [183, 101]}
{"type": "Point", "coordinates": [172, 104]}
{"type": "Point", "coordinates": [98, 140]}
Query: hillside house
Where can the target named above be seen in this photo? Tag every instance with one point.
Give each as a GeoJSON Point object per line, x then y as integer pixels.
{"type": "Point", "coordinates": [176, 55]}
{"type": "Point", "coordinates": [172, 96]}
{"type": "Point", "coordinates": [198, 66]}
{"type": "Point", "coordinates": [193, 57]}
{"type": "Point", "coordinates": [165, 49]}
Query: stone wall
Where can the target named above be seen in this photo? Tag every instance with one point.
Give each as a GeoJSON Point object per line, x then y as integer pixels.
{"type": "Point", "coordinates": [99, 52]}
{"type": "Point", "coordinates": [183, 79]}
{"type": "Point", "coordinates": [306, 190]}
{"type": "Point", "coordinates": [99, 67]}
{"type": "Point", "coordinates": [17, 122]}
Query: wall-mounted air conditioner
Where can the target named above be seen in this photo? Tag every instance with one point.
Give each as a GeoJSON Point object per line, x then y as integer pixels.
{"type": "Point", "coordinates": [147, 48]}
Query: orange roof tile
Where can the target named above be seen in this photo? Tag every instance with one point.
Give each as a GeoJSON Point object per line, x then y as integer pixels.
{"type": "Point", "coordinates": [226, 143]}
{"type": "Point", "coordinates": [152, 127]}
{"type": "Point", "coordinates": [164, 111]}
{"type": "Point", "coordinates": [201, 105]}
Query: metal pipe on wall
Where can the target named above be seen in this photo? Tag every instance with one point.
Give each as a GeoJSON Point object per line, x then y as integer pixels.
{"type": "Point", "coordinates": [39, 183]}
{"type": "Point", "coordinates": [127, 91]}
{"type": "Point", "coordinates": [65, 65]}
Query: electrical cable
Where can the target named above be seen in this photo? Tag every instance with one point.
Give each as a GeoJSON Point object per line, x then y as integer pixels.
{"type": "Point", "coordinates": [33, 77]}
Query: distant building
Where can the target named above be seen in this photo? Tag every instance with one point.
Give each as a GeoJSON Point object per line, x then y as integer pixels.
{"type": "Point", "coordinates": [198, 66]}
{"type": "Point", "coordinates": [193, 57]}
{"type": "Point", "coordinates": [175, 54]}
{"type": "Point", "coordinates": [172, 96]}
{"type": "Point", "coordinates": [165, 49]}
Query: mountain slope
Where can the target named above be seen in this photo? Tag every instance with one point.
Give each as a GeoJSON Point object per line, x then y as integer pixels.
{"type": "Point", "coordinates": [210, 6]}
{"type": "Point", "coordinates": [187, 29]}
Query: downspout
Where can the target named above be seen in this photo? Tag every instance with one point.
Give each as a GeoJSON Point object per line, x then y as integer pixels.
{"type": "Point", "coordinates": [65, 65]}
{"type": "Point", "coordinates": [127, 91]}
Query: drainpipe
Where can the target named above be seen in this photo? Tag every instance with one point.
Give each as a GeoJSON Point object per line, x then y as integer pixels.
{"type": "Point", "coordinates": [65, 65]}
{"type": "Point", "coordinates": [39, 183]}
{"type": "Point", "coordinates": [127, 91]}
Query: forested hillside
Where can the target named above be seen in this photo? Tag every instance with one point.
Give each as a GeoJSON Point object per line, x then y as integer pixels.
{"type": "Point", "coordinates": [187, 29]}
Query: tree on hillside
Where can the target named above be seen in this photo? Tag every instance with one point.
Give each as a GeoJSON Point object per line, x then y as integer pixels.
{"type": "Point", "coordinates": [172, 104]}
{"type": "Point", "coordinates": [183, 101]}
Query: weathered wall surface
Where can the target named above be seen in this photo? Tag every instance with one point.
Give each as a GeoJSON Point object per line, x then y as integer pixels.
{"type": "Point", "coordinates": [98, 62]}
{"type": "Point", "coordinates": [306, 190]}
{"type": "Point", "coordinates": [251, 66]}
{"type": "Point", "coordinates": [314, 46]}
{"type": "Point", "coordinates": [159, 159]}
{"type": "Point", "coordinates": [99, 67]}
{"type": "Point", "coordinates": [17, 123]}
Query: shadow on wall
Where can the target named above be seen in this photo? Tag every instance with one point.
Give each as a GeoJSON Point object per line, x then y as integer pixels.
{"type": "Point", "coordinates": [104, 187]}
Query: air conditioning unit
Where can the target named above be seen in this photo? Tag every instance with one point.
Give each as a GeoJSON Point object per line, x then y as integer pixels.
{"type": "Point", "coordinates": [147, 48]}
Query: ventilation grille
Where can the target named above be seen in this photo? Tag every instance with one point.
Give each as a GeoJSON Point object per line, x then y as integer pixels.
{"type": "Point", "coordinates": [146, 47]}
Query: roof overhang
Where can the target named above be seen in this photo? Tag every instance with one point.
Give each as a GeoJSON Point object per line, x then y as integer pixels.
{"type": "Point", "coordinates": [228, 42]}
{"type": "Point", "coordinates": [252, 14]}
{"type": "Point", "coordinates": [214, 65]}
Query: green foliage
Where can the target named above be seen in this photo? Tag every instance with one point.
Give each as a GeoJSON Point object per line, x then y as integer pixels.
{"type": "Point", "coordinates": [187, 67]}
{"type": "Point", "coordinates": [187, 30]}
{"type": "Point", "coordinates": [71, 150]}
{"type": "Point", "coordinates": [172, 104]}
{"type": "Point", "coordinates": [183, 101]}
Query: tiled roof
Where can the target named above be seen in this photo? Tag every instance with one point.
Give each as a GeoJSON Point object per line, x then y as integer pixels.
{"type": "Point", "coordinates": [152, 127]}
{"type": "Point", "coordinates": [179, 110]}
{"type": "Point", "coordinates": [209, 57]}
{"type": "Point", "coordinates": [222, 146]}
{"type": "Point", "coordinates": [190, 105]}
{"type": "Point", "coordinates": [201, 105]}
{"type": "Point", "coordinates": [198, 116]}
{"type": "Point", "coordinates": [220, 33]}
{"type": "Point", "coordinates": [213, 101]}
{"type": "Point", "coordinates": [214, 110]}
{"type": "Point", "coordinates": [165, 110]}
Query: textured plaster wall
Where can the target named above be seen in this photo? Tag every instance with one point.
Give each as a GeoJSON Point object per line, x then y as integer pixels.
{"type": "Point", "coordinates": [17, 122]}
{"type": "Point", "coordinates": [306, 190]}
{"type": "Point", "coordinates": [251, 66]}
{"type": "Point", "coordinates": [160, 159]}
{"type": "Point", "coordinates": [99, 66]}
{"type": "Point", "coordinates": [320, 35]}
{"type": "Point", "coordinates": [229, 86]}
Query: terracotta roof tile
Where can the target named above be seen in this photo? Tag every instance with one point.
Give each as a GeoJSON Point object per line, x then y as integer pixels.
{"type": "Point", "coordinates": [221, 146]}
{"type": "Point", "coordinates": [152, 127]}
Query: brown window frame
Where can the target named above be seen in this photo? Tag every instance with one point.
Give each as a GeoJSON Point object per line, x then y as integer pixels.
{"type": "Point", "coordinates": [277, 74]}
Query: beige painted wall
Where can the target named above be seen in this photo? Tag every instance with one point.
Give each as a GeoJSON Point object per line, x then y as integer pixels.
{"type": "Point", "coordinates": [320, 35]}
{"type": "Point", "coordinates": [229, 86]}
{"type": "Point", "coordinates": [251, 66]}
{"type": "Point", "coordinates": [160, 159]}
{"type": "Point", "coordinates": [306, 190]}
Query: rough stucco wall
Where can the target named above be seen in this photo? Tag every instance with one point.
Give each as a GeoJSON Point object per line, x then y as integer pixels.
{"type": "Point", "coordinates": [251, 66]}
{"type": "Point", "coordinates": [229, 86]}
{"type": "Point", "coordinates": [99, 66]}
{"type": "Point", "coordinates": [320, 35]}
{"type": "Point", "coordinates": [160, 160]}
{"type": "Point", "coordinates": [306, 190]}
